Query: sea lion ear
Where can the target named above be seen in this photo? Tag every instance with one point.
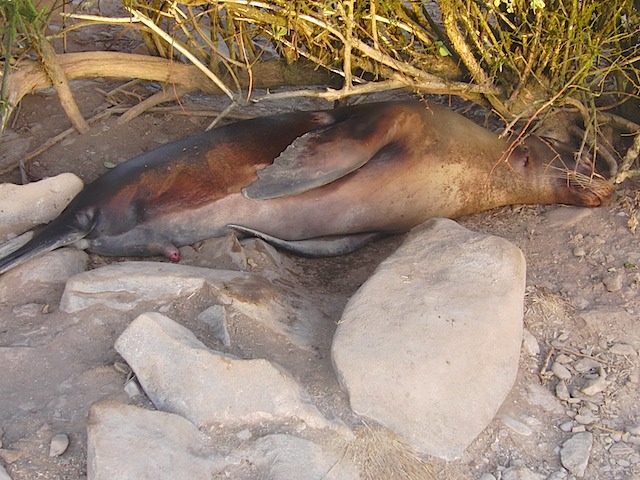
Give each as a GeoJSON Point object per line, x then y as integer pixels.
{"type": "Point", "coordinates": [324, 155]}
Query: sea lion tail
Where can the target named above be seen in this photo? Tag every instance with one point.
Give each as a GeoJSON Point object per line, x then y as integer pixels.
{"type": "Point", "coordinates": [54, 235]}
{"type": "Point", "coordinates": [329, 246]}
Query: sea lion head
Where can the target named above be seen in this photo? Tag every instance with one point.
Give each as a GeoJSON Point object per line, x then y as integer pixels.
{"type": "Point", "coordinates": [558, 175]}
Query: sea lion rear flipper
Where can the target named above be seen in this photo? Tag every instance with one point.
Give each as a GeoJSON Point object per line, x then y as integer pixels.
{"type": "Point", "coordinates": [51, 237]}
{"type": "Point", "coordinates": [325, 155]}
{"type": "Point", "coordinates": [329, 246]}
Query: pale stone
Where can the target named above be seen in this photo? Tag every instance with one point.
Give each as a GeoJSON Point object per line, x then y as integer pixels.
{"type": "Point", "coordinates": [131, 443]}
{"type": "Point", "coordinates": [42, 279]}
{"type": "Point", "coordinates": [180, 375]}
{"type": "Point", "coordinates": [575, 452]}
{"type": "Point", "coordinates": [143, 286]}
{"type": "Point", "coordinates": [25, 206]}
{"type": "Point", "coordinates": [410, 341]}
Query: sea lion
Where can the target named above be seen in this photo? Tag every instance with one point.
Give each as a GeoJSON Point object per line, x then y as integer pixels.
{"type": "Point", "coordinates": [354, 172]}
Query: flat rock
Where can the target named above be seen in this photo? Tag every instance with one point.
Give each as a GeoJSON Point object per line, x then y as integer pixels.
{"type": "Point", "coordinates": [574, 454]}
{"type": "Point", "coordinates": [42, 279]}
{"type": "Point", "coordinates": [410, 342]}
{"type": "Point", "coordinates": [131, 443]}
{"type": "Point", "coordinates": [142, 286]}
{"type": "Point", "coordinates": [3, 474]}
{"type": "Point", "coordinates": [180, 375]}
{"type": "Point", "coordinates": [565, 217]}
{"type": "Point", "coordinates": [25, 206]}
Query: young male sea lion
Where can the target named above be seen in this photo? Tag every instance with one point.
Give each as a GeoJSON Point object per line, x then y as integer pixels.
{"type": "Point", "coordinates": [346, 175]}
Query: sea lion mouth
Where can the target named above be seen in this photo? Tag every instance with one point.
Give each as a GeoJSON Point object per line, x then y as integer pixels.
{"type": "Point", "coordinates": [594, 190]}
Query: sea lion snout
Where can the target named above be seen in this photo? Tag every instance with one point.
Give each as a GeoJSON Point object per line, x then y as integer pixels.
{"type": "Point", "coordinates": [570, 179]}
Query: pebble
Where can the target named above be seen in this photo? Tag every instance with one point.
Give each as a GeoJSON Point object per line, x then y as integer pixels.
{"type": "Point", "coordinates": [59, 444]}
{"type": "Point", "coordinates": [567, 426]}
{"type": "Point", "coordinates": [558, 475]}
{"type": "Point", "coordinates": [244, 434]}
{"type": "Point", "coordinates": [621, 449]}
{"type": "Point", "coordinates": [487, 476]}
{"type": "Point", "coordinates": [613, 283]}
{"type": "Point", "coordinates": [3, 474]}
{"type": "Point", "coordinates": [586, 365]}
{"type": "Point", "coordinates": [562, 392]}
{"type": "Point", "coordinates": [574, 454]}
{"type": "Point", "coordinates": [616, 436]}
{"type": "Point", "coordinates": [622, 349]}
{"type": "Point", "coordinates": [516, 426]}
{"type": "Point", "coordinates": [132, 388]}
{"type": "Point", "coordinates": [585, 418]}
{"type": "Point", "coordinates": [564, 359]}
{"type": "Point", "coordinates": [595, 385]}
{"type": "Point", "coordinates": [9, 456]}
{"type": "Point", "coordinates": [561, 371]}
{"type": "Point", "coordinates": [530, 344]}
{"type": "Point", "coordinates": [633, 429]}
{"type": "Point", "coordinates": [634, 440]}
{"type": "Point", "coordinates": [579, 252]}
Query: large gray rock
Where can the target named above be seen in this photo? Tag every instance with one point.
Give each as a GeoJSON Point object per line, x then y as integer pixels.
{"type": "Point", "coordinates": [42, 279]}
{"type": "Point", "coordinates": [429, 345]}
{"type": "Point", "coordinates": [180, 375]}
{"type": "Point", "coordinates": [130, 443]}
{"type": "Point", "coordinates": [24, 206]}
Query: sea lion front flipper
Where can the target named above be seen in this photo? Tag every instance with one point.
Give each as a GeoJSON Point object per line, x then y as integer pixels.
{"type": "Point", "coordinates": [329, 246]}
{"type": "Point", "coordinates": [324, 155]}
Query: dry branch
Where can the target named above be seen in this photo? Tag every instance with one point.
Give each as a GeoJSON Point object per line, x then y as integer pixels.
{"type": "Point", "coordinates": [29, 76]}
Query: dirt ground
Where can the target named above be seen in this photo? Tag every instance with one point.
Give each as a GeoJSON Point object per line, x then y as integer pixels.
{"type": "Point", "coordinates": [582, 302]}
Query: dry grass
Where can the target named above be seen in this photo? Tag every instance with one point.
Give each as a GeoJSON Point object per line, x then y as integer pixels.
{"type": "Point", "coordinates": [380, 454]}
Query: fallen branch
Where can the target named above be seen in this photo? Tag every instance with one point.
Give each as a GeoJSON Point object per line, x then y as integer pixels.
{"type": "Point", "coordinates": [29, 76]}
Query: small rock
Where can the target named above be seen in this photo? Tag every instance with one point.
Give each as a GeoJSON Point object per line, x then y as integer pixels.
{"type": "Point", "coordinates": [516, 426]}
{"type": "Point", "coordinates": [10, 456]}
{"type": "Point", "coordinates": [586, 365]}
{"type": "Point", "coordinates": [633, 429]}
{"type": "Point", "coordinates": [530, 344]}
{"type": "Point", "coordinates": [586, 418]}
{"type": "Point", "coordinates": [558, 475]}
{"type": "Point", "coordinates": [521, 473]}
{"type": "Point", "coordinates": [567, 426]}
{"type": "Point", "coordinates": [562, 392]}
{"type": "Point", "coordinates": [613, 283]}
{"type": "Point", "coordinates": [3, 474]}
{"type": "Point", "coordinates": [216, 317]}
{"type": "Point", "coordinates": [634, 440]}
{"type": "Point", "coordinates": [132, 388]}
{"type": "Point", "coordinates": [622, 349]}
{"type": "Point", "coordinates": [596, 385]}
{"type": "Point", "coordinates": [564, 359]}
{"type": "Point", "coordinates": [539, 396]}
{"type": "Point", "coordinates": [487, 476]}
{"type": "Point", "coordinates": [59, 444]}
{"type": "Point", "coordinates": [574, 454]}
{"type": "Point", "coordinates": [621, 449]}
{"type": "Point", "coordinates": [579, 252]}
{"type": "Point", "coordinates": [244, 434]}
{"type": "Point", "coordinates": [561, 371]}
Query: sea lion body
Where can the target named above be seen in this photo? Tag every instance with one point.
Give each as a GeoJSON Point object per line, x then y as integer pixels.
{"type": "Point", "coordinates": [383, 167]}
